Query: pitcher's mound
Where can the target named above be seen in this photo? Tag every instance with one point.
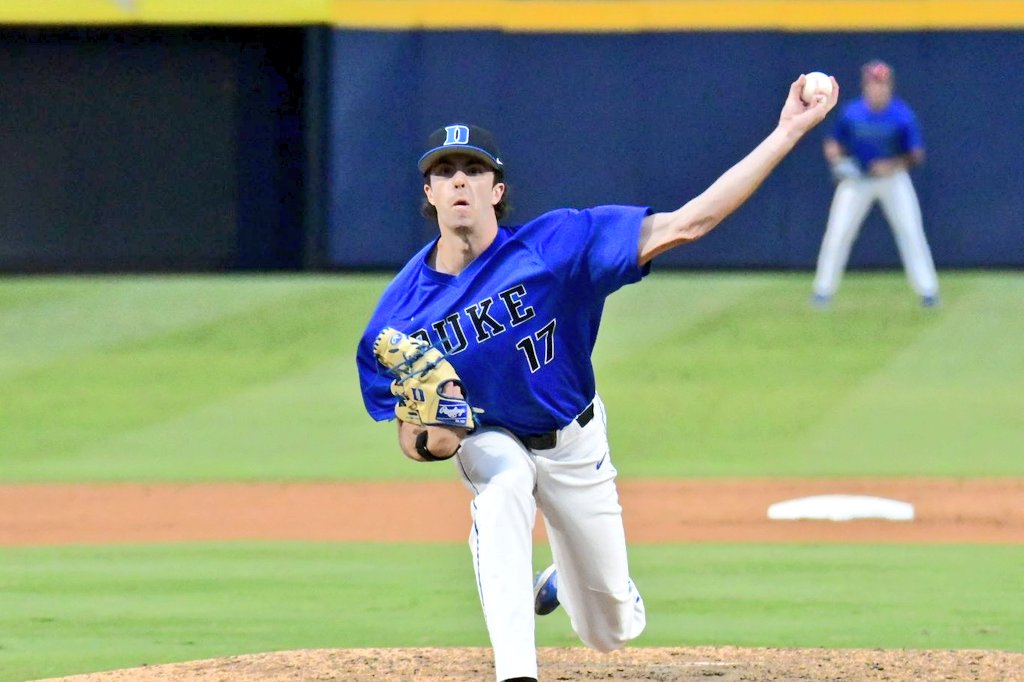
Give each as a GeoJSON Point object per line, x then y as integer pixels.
{"type": "Point", "coordinates": [726, 664]}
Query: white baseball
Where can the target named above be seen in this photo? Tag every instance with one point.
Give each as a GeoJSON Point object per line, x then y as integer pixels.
{"type": "Point", "coordinates": [815, 83]}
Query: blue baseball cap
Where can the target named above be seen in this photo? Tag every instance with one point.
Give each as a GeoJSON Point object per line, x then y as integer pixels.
{"type": "Point", "coordinates": [460, 138]}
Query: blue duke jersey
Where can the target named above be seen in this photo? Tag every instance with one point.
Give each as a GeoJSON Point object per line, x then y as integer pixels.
{"type": "Point", "coordinates": [870, 135]}
{"type": "Point", "coordinates": [520, 322]}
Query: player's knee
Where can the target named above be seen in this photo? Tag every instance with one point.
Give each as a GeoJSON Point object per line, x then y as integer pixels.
{"type": "Point", "coordinates": [622, 618]}
{"type": "Point", "coordinates": [605, 639]}
{"type": "Point", "coordinates": [603, 642]}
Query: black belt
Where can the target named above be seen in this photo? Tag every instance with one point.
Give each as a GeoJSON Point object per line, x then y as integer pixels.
{"type": "Point", "coordinates": [548, 439]}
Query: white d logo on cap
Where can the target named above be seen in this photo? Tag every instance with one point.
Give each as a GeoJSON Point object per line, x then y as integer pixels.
{"type": "Point", "coordinates": [456, 135]}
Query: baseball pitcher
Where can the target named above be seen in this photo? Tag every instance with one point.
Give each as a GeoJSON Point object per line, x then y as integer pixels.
{"type": "Point", "coordinates": [481, 347]}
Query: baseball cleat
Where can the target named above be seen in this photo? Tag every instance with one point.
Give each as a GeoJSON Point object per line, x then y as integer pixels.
{"type": "Point", "coordinates": [821, 301]}
{"type": "Point", "coordinates": [929, 301]}
{"type": "Point", "coordinates": [545, 591]}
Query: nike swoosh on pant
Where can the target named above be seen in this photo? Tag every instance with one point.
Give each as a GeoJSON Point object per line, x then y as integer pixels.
{"type": "Point", "coordinates": [602, 461]}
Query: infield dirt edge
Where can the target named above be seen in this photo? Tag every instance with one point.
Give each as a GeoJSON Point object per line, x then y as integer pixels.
{"type": "Point", "coordinates": [637, 663]}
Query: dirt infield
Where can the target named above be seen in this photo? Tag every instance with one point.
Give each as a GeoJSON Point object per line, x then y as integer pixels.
{"type": "Point", "coordinates": [961, 511]}
{"type": "Point", "coordinates": [725, 664]}
{"type": "Point", "coordinates": [968, 511]}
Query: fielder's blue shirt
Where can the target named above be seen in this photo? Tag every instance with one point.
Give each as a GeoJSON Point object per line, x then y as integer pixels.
{"type": "Point", "coordinates": [870, 135]}
{"type": "Point", "coordinates": [519, 324]}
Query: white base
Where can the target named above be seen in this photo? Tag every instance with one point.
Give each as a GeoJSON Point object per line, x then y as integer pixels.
{"type": "Point", "coordinates": [841, 508]}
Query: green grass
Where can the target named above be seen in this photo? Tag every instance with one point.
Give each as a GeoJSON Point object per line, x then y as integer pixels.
{"type": "Point", "coordinates": [744, 378]}
{"type": "Point", "coordinates": [77, 609]}
{"type": "Point", "coordinates": [252, 378]}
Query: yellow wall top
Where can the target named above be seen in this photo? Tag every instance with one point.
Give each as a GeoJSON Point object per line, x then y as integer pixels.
{"type": "Point", "coordinates": [568, 16]}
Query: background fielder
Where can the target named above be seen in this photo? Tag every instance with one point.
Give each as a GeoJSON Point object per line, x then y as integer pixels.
{"type": "Point", "coordinates": [517, 312]}
{"type": "Point", "coordinates": [875, 141]}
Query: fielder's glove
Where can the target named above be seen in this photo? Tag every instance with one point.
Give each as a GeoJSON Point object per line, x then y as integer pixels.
{"type": "Point", "coordinates": [424, 382]}
{"type": "Point", "coordinates": [845, 168]}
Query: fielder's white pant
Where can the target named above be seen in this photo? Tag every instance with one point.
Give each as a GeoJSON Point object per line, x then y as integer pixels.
{"type": "Point", "coordinates": [850, 205]}
{"type": "Point", "coordinates": [573, 485]}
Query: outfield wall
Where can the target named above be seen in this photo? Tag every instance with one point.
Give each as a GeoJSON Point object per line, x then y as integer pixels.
{"type": "Point", "coordinates": [273, 135]}
{"type": "Point", "coordinates": [654, 118]}
{"type": "Point", "coordinates": [139, 148]}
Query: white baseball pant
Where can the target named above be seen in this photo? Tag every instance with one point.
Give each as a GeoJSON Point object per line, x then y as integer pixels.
{"type": "Point", "coordinates": [573, 485]}
{"type": "Point", "coordinates": [850, 205]}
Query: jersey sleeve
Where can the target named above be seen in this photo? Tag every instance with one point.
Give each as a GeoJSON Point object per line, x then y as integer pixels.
{"type": "Point", "coordinates": [373, 381]}
{"type": "Point", "coordinates": [841, 130]}
{"type": "Point", "coordinates": [594, 250]}
{"type": "Point", "coordinates": [912, 137]}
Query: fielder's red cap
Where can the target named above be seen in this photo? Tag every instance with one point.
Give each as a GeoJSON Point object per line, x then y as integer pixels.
{"type": "Point", "coordinates": [877, 70]}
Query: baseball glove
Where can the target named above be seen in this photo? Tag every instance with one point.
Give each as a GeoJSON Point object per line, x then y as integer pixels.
{"type": "Point", "coordinates": [429, 390]}
{"type": "Point", "coordinates": [845, 168]}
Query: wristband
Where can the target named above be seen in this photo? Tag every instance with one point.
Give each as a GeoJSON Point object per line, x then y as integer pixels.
{"type": "Point", "coordinates": [421, 448]}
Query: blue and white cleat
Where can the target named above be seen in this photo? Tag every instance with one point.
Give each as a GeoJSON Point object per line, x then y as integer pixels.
{"type": "Point", "coordinates": [545, 591]}
{"type": "Point", "coordinates": [929, 301]}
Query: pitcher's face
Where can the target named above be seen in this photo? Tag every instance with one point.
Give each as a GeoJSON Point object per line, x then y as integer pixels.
{"type": "Point", "coordinates": [463, 191]}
